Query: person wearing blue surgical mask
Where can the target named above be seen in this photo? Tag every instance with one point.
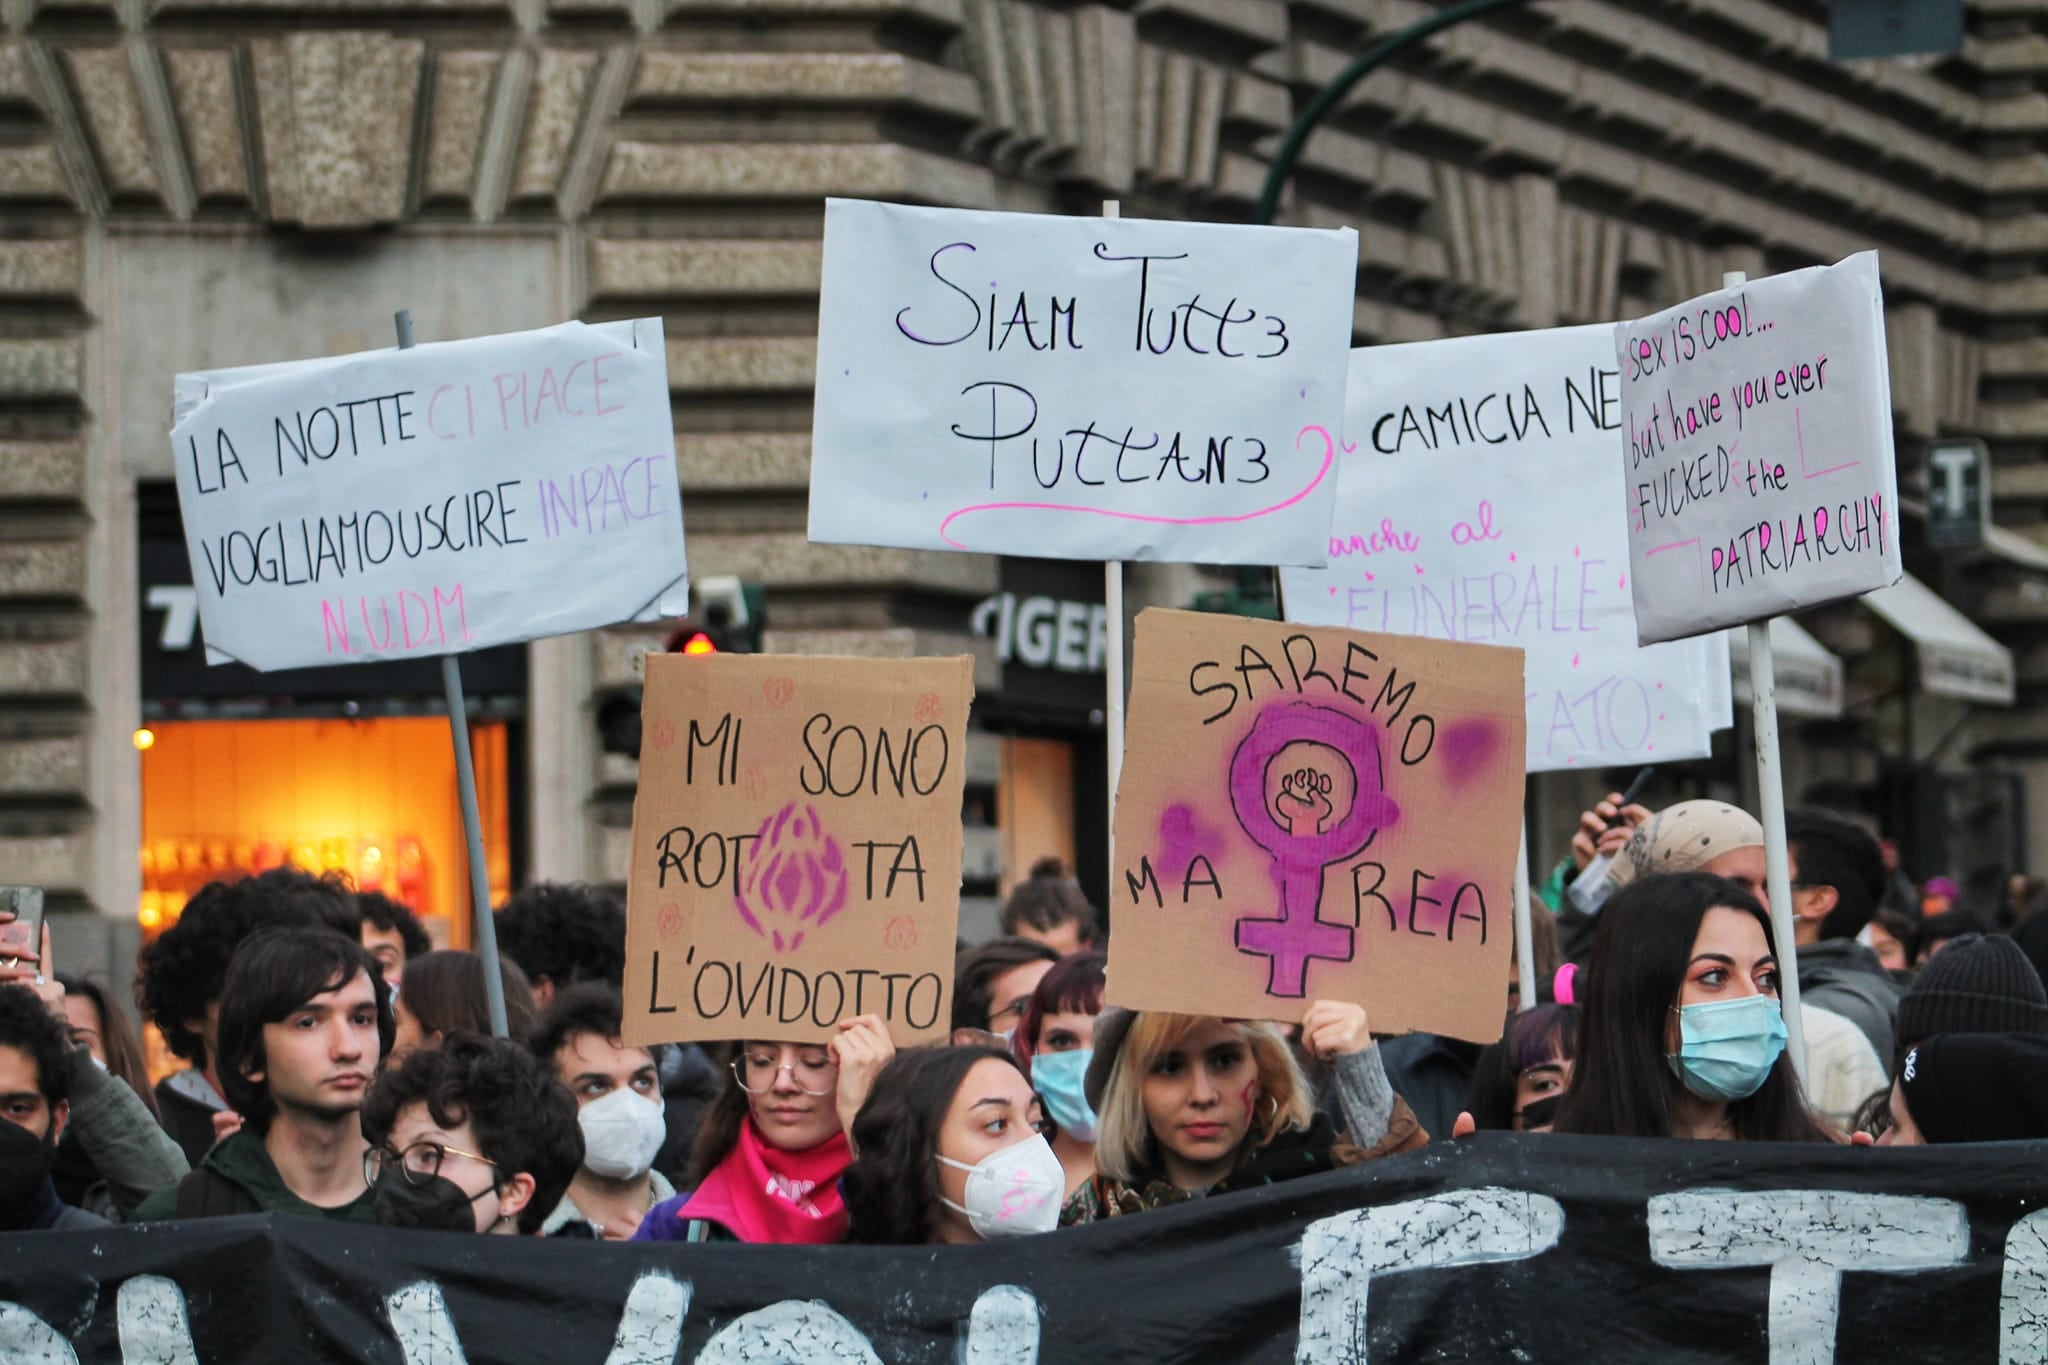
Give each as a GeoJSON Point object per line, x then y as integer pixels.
{"type": "Point", "coordinates": [1682, 1035]}
{"type": "Point", "coordinates": [1052, 1044]}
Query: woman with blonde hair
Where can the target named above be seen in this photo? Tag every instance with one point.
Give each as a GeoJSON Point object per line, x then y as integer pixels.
{"type": "Point", "coordinates": [1191, 1105]}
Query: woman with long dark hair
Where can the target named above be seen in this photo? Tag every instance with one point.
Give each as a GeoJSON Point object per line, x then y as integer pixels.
{"type": "Point", "coordinates": [769, 1155]}
{"type": "Point", "coordinates": [1682, 1034]}
{"type": "Point", "coordinates": [952, 1150]}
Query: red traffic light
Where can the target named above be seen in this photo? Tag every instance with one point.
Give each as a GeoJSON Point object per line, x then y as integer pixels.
{"type": "Point", "coordinates": [699, 643]}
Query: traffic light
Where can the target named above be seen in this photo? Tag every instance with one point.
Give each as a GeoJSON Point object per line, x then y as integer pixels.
{"type": "Point", "coordinates": [732, 614]}
{"type": "Point", "coordinates": [728, 620]}
{"type": "Point", "coordinates": [618, 723]}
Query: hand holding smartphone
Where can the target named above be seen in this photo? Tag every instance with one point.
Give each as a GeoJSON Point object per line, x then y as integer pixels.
{"type": "Point", "coordinates": [21, 925]}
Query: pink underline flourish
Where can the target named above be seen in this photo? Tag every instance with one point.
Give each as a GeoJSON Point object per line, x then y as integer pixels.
{"type": "Point", "coordinates": [1329, 458]}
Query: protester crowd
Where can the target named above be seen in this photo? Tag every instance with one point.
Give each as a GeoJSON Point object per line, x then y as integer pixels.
{"type": "Point", "coordinates": [336, 1066]}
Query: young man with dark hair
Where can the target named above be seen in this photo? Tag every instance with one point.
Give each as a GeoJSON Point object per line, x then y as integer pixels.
{"type": "Point", "coordinates": [304, 1019]}
{"type": "Point", "coordinates": [1838, 881]}
{"type": "Point", "coordinates": [993, 981]}
{"type": "Point", "coordinates": [391, 932]}
{"type": "Point", "coordinates": [34, 1107]}
{"type": "Point", "coordinates": [562, 934]}
{"type": "Point", "coordinates": [618, 1108]}
{"type": "Point", "coordinates": [179, 976]}
{"type": "Point", "coordinates": [473, 1136]}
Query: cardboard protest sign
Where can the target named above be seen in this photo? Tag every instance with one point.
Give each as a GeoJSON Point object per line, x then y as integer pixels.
{"type": "Point", "coordinates": [1758, 445]}
{"type": "Point", "coordinates": [796, 847]}
{"type": "Point", "coordinates": [1078, 388]}
{"type": "Point", "coordinates": [436, 500]}
{"type": "Point", "coordinates": [1472, 498]}
{"type": "Point", "coordinates": [1314, 814]}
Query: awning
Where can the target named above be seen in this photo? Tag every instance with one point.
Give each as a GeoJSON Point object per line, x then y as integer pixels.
{"type": "Point", "coordinates": [2016, 548]}
{"type": "Point", "coordinates": [1807, 676]}
{"type": "Point", "coordinates": [1957, 659]}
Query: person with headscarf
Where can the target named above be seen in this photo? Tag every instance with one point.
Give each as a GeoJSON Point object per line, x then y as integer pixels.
{"type": "Point", "coordinates": [1842, 1068]}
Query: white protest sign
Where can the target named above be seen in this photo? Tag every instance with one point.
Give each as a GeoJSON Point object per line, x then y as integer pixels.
{"type": "Point", "coordinates": [446, 498]}
{"type": "Point", "coordinates": [1472, 504]}
{"type": "Point", "coordinates": [1078, 388]}
{"type": "Point", "coordinates": [1761, 476]}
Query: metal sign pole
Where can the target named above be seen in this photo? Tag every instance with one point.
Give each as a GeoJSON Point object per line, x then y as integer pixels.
{"type": "Point", "coordinates": [1770, 786]}
{"type": "Point", "coordinates": [486, 928]}
{"type": "Point", "coordinates": [1113, 609]}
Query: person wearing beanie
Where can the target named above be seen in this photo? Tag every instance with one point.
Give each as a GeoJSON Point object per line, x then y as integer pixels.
{"type": "Point", "coordinates": [1842, 1067]}
{"type": "Point", "coordinates": [1971, 1087]}
{"type": "Point", "coordinates": [1981, 983]}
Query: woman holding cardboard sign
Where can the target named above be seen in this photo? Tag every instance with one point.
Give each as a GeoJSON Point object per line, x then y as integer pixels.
{"type": "Point", "coordinates": [1193, 1105]}
{"type": "Point", "coordinates": [773, 1146]}
{"type": "Point", "coordinates": [1682, 1033]}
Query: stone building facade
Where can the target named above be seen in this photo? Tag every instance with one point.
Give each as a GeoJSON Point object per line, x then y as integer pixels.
{"type": "Point", "coordinates": [190, 183]}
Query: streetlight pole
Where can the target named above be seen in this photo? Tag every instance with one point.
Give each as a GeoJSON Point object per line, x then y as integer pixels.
{"type": "Point", "coordinates": [1366, 62]}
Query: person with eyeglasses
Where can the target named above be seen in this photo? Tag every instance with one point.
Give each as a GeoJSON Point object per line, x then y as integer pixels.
{"type": "Point", "coordinates": [475, 1135]}
{"type": "Point", "coordinates": [768, 1159]}
{"type": "Point", "coordinates": [305, 1018]}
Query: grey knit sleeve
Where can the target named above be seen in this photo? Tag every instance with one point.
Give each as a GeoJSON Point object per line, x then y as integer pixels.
{"type": "Point", "coordinates": [1365, 1095]}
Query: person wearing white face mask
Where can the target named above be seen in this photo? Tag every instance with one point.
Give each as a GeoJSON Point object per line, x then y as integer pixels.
{"type": "Point", "coordinates": [952, 1150]}
{"type": "Point", "coordinates": [1053, 1045]}
{"type": "Point", "coordinates": [619, 1109]}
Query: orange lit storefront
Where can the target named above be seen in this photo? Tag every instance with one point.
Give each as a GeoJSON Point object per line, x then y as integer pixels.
{"type": "Point", "coordinates": [345, 769]}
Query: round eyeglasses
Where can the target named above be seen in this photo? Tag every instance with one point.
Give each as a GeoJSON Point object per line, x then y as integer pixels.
{"type": "Point", "coordinates": [418, 1164]}
{"type": "Point", "coordinates": [815, 1073]}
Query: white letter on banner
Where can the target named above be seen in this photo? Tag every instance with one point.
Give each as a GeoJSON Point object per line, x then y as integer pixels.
{"type": "Point", "coordinates": [149, 1313]}
{"type": "Point", "coordinates": [26, 1339]}
{"type": "Point", "coordinates": [2023, 1297]}
{"type": "Point", "coordinates": [1807, 1238]}
{"type": "Point", "coordinates": [1003, 1329]}
{"type": "Point", "coordinates": [792, 1332]}
{"type": "Point", "coordinates": [419, 1319]}
{"type": "Point", "coordinates": [1340, 1255]}
{"type": "Point", "coordinates": [651, 1328]}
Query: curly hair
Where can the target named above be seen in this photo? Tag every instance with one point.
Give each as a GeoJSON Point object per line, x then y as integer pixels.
{"type": "Point", "coordinates": [182, 972]}
{"type": "Point", "coordinates": [1047, 899]}
{"type": "Point", "coordinates": [892, 1188]}
{"type": "Point", "coordinates": [26, 1023]}
{"type": "Point", "coordinates": [382, 912]}
{"type": "Point", "coordinates": [564, 933]}
{"type": "Point", "coordinates": [444, 991]}
{"type": "Point", "coordinates": [523, 1118]}
{"type": "Point", "coordinates": [272, 976]}
{"type": "Point", "coordinates": [590, 1008]}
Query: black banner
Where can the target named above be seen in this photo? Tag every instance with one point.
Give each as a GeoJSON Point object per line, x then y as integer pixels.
{"type": "Point", "coordinates": [1504, 1248]}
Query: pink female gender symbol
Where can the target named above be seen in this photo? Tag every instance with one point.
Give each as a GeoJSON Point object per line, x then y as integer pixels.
{"type": "Point", "coordinates": [1305, 841]}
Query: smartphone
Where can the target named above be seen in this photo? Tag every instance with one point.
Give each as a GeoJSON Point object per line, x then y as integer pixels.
{"type": "Point", "coordinates": [21, 932]}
